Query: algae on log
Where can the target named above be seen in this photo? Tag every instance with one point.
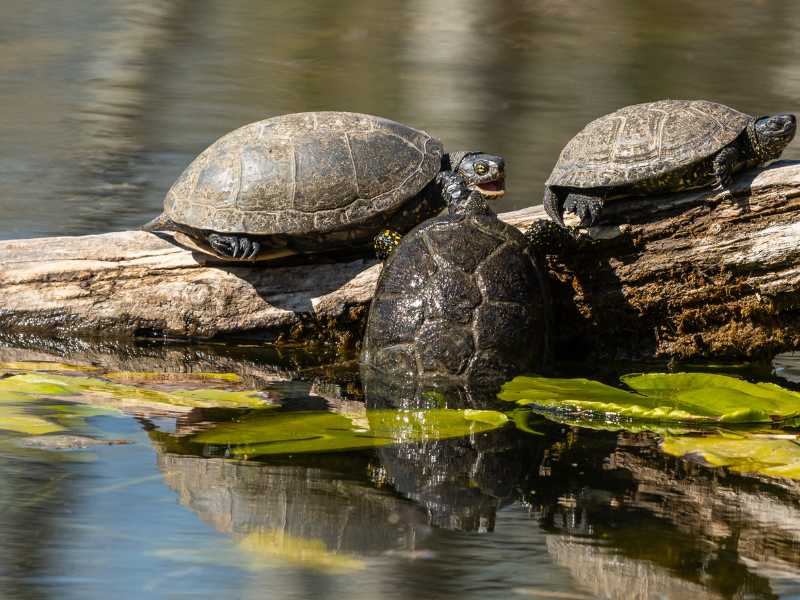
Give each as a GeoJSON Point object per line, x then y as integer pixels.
{"type": "Point", "coordinates": [678, 278]}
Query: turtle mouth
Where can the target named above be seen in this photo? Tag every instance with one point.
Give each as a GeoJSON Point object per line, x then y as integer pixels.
{"type": "Point", "coordinates": [492, 189]}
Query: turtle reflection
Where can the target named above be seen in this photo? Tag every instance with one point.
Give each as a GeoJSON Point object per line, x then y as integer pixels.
{"type": "Point", "coordinates": [460, 482]}
{"type": "Point", "coordinates": [602, 498]}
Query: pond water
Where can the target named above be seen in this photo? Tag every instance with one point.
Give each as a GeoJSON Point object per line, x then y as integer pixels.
{"type": "Point", "coordinates": [308, 492]}
{"type": "Point", "coordinates": [102, 104]}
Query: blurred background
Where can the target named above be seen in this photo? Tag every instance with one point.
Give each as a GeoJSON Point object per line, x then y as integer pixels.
{"type": "Point", "coordinates": [104, 103]}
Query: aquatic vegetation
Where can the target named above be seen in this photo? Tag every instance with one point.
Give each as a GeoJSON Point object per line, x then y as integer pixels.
{"type": "Point", "coordinates": [14, 418]}
{"type": "Point", "coordinates": [48, 399]}
{"type": "Point", "coordinates": [28, 407]}
{"type": "Point", "coordinates": [681, 408]}
{"type": "Point", "coordinates": [199, 377]}
{"type": "Point", "coordinates": [776, 455]}
{"type": "Point", "coordinates": [311, 553]}
{"type": "Point", "coordinates": [98, 391]}
{"type": "Point", "coordinates": [693, 397]}
{"type": "Point", "coordinates": [261, 433]}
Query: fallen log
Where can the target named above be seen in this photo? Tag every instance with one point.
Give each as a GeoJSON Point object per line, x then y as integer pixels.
{"type": "Point", "coordinates": [676, 277]}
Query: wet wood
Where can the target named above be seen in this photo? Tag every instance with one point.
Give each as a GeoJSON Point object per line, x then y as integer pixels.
{"type": "Point", "coordinates": [672, 277]}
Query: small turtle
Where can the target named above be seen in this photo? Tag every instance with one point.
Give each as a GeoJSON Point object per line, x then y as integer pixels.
{"type": "Point", "coordinates": [664, 146]}
{"type": "Point", "coordinates": [313, 182]}
{"type": "Point", "coordinates": [459, 300]}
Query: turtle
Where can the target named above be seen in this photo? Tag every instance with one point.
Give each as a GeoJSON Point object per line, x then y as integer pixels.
{"type": "Point", "coordinates": [314, 182]}
{"type": "Point", "coordinates": [459, 300]}
{"type": "Point", "coordinates": [658, 147]}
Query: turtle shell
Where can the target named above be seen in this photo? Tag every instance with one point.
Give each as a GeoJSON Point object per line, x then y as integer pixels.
{"type": "Point", "coordinates": [644, 141]}
{"type": "Point", "coordinates": [302, 173]}
{"type": "Point", "coordinates": [458, 300]}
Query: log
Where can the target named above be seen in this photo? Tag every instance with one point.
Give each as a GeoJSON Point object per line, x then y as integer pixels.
{"type": "Point", "coordinates": [682, 276]}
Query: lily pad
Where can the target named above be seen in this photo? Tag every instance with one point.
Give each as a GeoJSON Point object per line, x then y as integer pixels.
{"type": "Point", "coordinates": [671, 397]}
{"type": "Point", "coordinates": [38, 385]}
{"type": "Point", "coordinates": [771, 455]}
{"type": "Point", "coordinates": [14, 418]}
{"type": "Point", "coordinates": [294, 432]}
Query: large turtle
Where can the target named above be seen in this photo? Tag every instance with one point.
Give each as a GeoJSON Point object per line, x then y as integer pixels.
{"type": "Point", "coordinates": [664, 146]}
{"type": "Point", "coordinates": [313, 182]}
{"type": "Point", "coordinates": [460, 300]}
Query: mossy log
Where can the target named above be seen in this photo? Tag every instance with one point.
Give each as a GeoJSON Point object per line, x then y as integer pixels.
{"type": "Point", "coordinates": [676, 277]}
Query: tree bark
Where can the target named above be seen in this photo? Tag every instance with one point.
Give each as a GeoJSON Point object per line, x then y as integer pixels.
{"type": "Point", "coordinates": [676, 277]}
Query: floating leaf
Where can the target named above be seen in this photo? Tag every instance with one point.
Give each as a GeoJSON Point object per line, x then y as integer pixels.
{"type": "Point", "coordinates": [775, 456]}
{"type": "Point", "coordinates": [521, 418]}
{"type": "Point", "coordinates": [294, 432]}
{"type": "Point", "coordinates": [13, 418]}
{"type": "Point", "coordinates": [38, 385]}
{"type": "Point", "coordinates": [696, 397]}
{"type": "Point", "coordinates": [729, 398]}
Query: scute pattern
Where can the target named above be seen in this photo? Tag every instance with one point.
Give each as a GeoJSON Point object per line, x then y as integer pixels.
{"type": "Point", "coordinates": [301, 173]}
{"type": "Point", "coordinates": [459, 295]}
{"type": "Point", "coordinates": [645, 141]}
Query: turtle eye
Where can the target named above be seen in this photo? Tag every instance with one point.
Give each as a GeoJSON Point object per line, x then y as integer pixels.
{"type": "Point", "coordinates": [481, 168]}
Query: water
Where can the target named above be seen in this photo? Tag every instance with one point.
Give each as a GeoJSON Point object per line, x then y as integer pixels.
{"type": "Point", "coordinates": [544, 511]}
{"type": "Point", "coordinates": [102, 104]}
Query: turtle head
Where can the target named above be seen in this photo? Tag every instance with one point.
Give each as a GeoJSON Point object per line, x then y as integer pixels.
{"type": "Point", "coordinates": [771, 134]}
{"type": "Point", "coordinates": [483, 173]}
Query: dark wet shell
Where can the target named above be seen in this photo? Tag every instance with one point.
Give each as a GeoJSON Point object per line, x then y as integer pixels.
{"type": "Point", "coordinates": [302, 173]}
{"type": "Point", "coordinates": [644, 141]}
{"type": "Point", "coordinates": [457, 299]}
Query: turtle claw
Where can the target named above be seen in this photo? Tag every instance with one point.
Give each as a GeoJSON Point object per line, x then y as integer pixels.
{"type": "Point", "coordinates": [254, 248]}
{"type": "Point", "coordinates": [587, 208]}
{"type": "Point", "coordinates": [232, 246]}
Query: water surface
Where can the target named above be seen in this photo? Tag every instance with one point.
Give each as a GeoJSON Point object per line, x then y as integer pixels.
{"type": "Point", "coordinates": [102, 104]}
{"type": "Point", "coordinates": [525, 508]}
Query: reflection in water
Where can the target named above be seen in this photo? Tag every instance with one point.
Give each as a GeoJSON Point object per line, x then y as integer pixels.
{"type": "Point", "coordinates": [103, 105]}
{"type": "Point", "coordinates": [283, 503]}
{"type": "Point", "coordinates": [462, 482]}
{"type": "Point", "coordinates": [33, 496]}
{"type": "Point", "coordinates": [524, 506]}
{"type": "Point", "coordinates": [667, 525]}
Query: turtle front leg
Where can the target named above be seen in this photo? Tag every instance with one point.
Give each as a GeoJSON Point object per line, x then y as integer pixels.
{"type": "Point", "coordinates": [724, 164]}
{"type": "Point", "coordinates": [234, 246]}
{"type": "Point", "coordinates": [586, 206]}
{"type": "Point", "coordinates": [385, 243]}
{"type": "Point", "coordinates": [546, 237]}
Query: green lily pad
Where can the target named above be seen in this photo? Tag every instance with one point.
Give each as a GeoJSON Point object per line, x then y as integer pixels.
{"type": "Point", "coordinates": [38, 385]}
{"type": "Point", "coordinates": [14, 418]}
{"type": "Point", "coordinates": [774, 456]}
{"type": "Point", "coordinates": [294, 432]}
{"type": "Point", "coordinates": [672, 397]}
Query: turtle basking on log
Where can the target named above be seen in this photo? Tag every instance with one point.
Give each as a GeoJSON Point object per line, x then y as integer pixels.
{"type": "Point", "coordinates": [314, 182]}
{"type": "Point", "coordinates": [657, 147]}
{"type": "Point", "coordinates": [462, 299]}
